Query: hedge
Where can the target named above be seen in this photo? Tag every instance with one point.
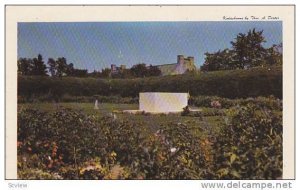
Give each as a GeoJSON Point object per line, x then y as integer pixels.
{"type": "Point", "coordinates": [228, 84]}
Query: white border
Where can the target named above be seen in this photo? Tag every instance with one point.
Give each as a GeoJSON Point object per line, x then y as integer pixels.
{"type": "Point", "coordinates": [133, 184]}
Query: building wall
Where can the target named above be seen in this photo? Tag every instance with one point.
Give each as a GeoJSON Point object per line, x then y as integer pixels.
{"type": "Point", "coordinates": [180, 67]}
{"type": "Point", "coordinates": [123, 67]}
{"type": "Point", "coordinates": [115, 69]}
{"type": "Point", "coordinates": [180, 60]}
{"type": "Point", "coordinates": [189, 62]}
{"type": "Point", "coordinates": [184, 64]}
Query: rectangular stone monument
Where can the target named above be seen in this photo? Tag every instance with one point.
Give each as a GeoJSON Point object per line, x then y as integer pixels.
{"type": "Point", "coordinates": [162, 102]}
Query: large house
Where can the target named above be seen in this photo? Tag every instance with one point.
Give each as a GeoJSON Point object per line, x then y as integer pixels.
{"type": "Point", "coordinates": [114, 69]}
{"type": "Point", "coordinates": [183, 65]}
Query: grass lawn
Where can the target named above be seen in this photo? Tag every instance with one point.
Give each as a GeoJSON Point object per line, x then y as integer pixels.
{"type": "Point", "coordinates": [208, 124]}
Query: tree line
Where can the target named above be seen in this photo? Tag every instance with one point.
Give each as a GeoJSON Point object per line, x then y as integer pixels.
{"type": "Point", "coordinates": [247, 51]}
{"type": "Point", "coordinates": [55, 68]}
{"type": "Point", "coordinates": [139, 70]}
{"type": "Point", "coordinates": [60, 68]}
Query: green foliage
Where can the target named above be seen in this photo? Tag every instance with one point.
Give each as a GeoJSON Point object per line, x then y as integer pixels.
{"type": "Point", "coordinates": [274, 55]}
{"type": "Point", "coordinates": [69, 139]}
{"type": "Point", "coordinates": [186, 111]}
{"type": "Point", "coordinates": [184, 157]}
{"type": "Point", "coordinates": [66, 142]}
{"type": "Point", "coordinates": [154, 71]}
{"type": "Point", "coordinates": [105, 73]}
{"type": "Point", "coordinates": [82, 99]}
{"type": "Point", "coordinates": [72, 140]}
{"type": "Point", "coordinates": [249, 48]}
{"type": "Point", "coordinates": [60, 67]}
{"type": "Point", "coordinates": [227, 84]}
{"type": "Point", "coordinates": [34, 174]}
{"type": "Point", "coordinates": [70, 144]}
{"type": "Point", "coordinates": [220, 60]}
{"type": "Point", "coordinates": [247, 52]}
{"type": "Point", "coordinates": [250, 146]}
{"type": "Point", "coordinates": [33, 66]}
{"type": "Point", "coordinates": [24, 65]}
{"type": "Point", "coordinates": [141, 70]}
{"type": "Point", "coordinates": [270, 102]}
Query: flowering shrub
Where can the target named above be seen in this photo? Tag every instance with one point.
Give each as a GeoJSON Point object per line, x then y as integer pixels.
{"type": "Point", "coordinates": [68, 144]}
{"type": "Point", "coordinates": [250, 146]}
{"type": "Point", "coordinates": [215, 104]}
{"type": "Point", "coordinates": [63, 138]}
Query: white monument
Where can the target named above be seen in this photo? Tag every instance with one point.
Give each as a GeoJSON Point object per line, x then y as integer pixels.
{"type": "Point", "coordinates": [162, 102]}
{"type": "Point", "coordinates": [96, 107]}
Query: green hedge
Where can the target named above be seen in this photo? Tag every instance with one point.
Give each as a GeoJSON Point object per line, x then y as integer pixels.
{"type": "Point", "coordinates": [227, 84]}
{"type": "Point", "coordinates": [269, 102]}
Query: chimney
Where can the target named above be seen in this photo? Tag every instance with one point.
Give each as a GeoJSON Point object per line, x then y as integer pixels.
{"type": "Point", "coordinates": [191, 59]}
{"type": "Point", "coordinates": [180, 59]}
{"type": "Point", "coordinates": [113, 67]}
{"type": "Point", "coordinates": [123, 67]}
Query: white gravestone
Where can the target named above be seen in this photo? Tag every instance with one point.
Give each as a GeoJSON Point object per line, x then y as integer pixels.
{"type": "Point", "coordinates": [162, 102]}
{"type": "Point", "coordinates": [96, 107]}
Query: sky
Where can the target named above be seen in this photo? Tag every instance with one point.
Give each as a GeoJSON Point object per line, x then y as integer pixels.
{"type": "Point", "coordinates": [97, 45]}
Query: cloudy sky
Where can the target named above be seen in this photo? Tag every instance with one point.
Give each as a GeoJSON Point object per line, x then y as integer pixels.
{"type": "Point", "coordinates": [96, 45]}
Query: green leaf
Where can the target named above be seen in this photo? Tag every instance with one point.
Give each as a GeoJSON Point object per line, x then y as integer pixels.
{"type": "Point", "coordinates": [232, 158]}
{"type": "Point", "coordinates": [235, 174]}
{"type": "Point", "coordinates": [223, 171]}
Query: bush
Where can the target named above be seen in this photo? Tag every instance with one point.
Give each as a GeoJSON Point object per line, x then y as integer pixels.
{"type": "Point", "coordinates": [35, 174]}
{"type": "Point", "coordinates": [269, 102]}
{"type": "Point", "coordinates": [186, 111]}
{"type": "Point", "coordinates": [66, 135]}
{"type": "Point", "coordinates": [79, 146]}
{"type": "Point", "coordinates": [81, 99]}
{"type": "Point", "coordinates": [187, 155]}
{"type": "Point", "coordinates": [250, 146]}
{"type": "Point", "coordinates": [70, 144]}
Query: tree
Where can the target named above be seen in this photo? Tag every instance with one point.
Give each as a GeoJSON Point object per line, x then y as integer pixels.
{"type": "Point", "coordinates": [70, 70]}
{"type": "Point", "coordinates": [60, 67]}
{"type": "Point", "coordinates": [154, 71]}
{"type": "Point", "coordinates": [220, 60]}
{"type": "Point", "coordinates": [61, 63]}
{"type": "Point", "coordinates": [105, 73]}
{"type": "Point", "coordinates": [95, 74]}
{"type": "Point", "coordinates": [38, 66]}
{"type": "Point", "coordinates": [24, 66]}
{"type": "Point", "coordinates": [126, 73]}
{"type": "Point", "coordinates": [79, 73]}
{"type": "Point", "coordinates": [274, 55]}
{"type": "Point", "coordinates": [33, 66]}
{"type": "Point", "coordinates": [52, 66]}
{"type": "Point", "coordinates": [249, 49]}
{"type": "Point", "coordinates": [139, 70]}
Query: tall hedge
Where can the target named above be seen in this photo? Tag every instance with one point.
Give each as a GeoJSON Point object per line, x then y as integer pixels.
{"type": "Point", "coordinates": [228, 84]}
